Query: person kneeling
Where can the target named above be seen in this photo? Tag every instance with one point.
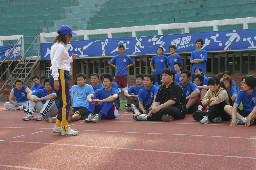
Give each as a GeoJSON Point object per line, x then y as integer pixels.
{"type": "Point", "coordinates": [42, 100]}
{"type": "Point", "coordinates": [104, 103]}
{"type": "Point", "coordinates": [170, 102]}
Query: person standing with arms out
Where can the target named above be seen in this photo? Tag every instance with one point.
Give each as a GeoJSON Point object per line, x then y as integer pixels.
{"type": "Point", "coordinates": [59, 78]}
{"type": "Point", "coordinates": [123, 62]}
{"type": "Point", "coordinates": [173, 58]}
{"type": "Point", "coordinates": [198, 57]}
{"type": "Point", "coordinates": [160, 61]}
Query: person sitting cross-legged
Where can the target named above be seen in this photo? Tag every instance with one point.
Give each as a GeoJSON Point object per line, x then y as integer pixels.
{"type": "Point", "coordinates": [170, 101]}
{"type": "Point", "coordinates": [146, 96]}
{"type": "Point", "coordinates": [104, 103]}
{"type": "Point", "coordinates": [43, 101]}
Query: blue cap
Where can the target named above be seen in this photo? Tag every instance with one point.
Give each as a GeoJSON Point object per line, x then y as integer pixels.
{"type": "Point", "coordinates": [65, 29]}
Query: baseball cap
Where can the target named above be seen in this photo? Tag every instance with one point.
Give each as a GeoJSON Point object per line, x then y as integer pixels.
{"type": "Point", "coordinates": [65, 29]}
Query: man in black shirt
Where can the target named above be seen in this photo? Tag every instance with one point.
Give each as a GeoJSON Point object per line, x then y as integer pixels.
{"type": "Point", "coordinates": [170, 102]}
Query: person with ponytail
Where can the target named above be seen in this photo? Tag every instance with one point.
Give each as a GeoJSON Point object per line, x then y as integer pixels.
{"type": "Point", "coordinates": [59, 78]}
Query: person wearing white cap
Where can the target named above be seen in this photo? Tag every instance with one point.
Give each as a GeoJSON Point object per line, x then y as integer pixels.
{"type": "Point", "coordinates": [59, 78]}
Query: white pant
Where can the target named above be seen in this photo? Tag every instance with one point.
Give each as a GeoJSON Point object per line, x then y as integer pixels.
{"type": "Point", "coordinates": [10, 106]}
{"type": "Point", "coordinates": [48, 109]}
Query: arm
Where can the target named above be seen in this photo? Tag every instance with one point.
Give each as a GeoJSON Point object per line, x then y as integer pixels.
{"type": "Point", "coordinates": [206, 98]}
{"type": "Point", "coordinates": [250, 117]}
{"type": "Point", "coordinates": [234, 113]}
{"type": "Point", "coordinates": [203, 87]}
{"type": "Point", "coordinates": [160, 106]}
{"type": "Point", "coordinates": [233, 98]}
{"type": "Point", "coordinates": [195, 93]}
{"type": "Point", "coordinates": [220, 98]}
{"type": "Point", "coordinates": [130, 65]}
{"type": "Point", "coordinates": [11, 98]}
{"type": "Point", "coordinates": [142, 107]}
{"type": "Point", "coordinates": [197, 61]}
{"type": "Point", "coordinates": [152, 67]}
{"type": "Point", "coordinates": [89, 98]}
{"type": "Point", "coordinates": [109, 99]}
{"type": "Point", "coordinates": [48, 97]}
{"type": "Point", "coordinates": [112, 65]}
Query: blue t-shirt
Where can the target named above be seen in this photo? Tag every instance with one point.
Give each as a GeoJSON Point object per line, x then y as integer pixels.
{"type": "Point", "coordinates": [189, 88]}
{"type": "Point", "coordinates": [177, 78]}
{"type": "Point", "coordinates": [199, 55]}
{"type": "Point", "coordinates": [172, 60]}
{"type": "Point", "coordinates": [100, 86]}
{"type": "Point", "coordinates": [114, 85]}
{"type": "Point", "coordinates": [79, 95]}
{"type": "Point", "coordinates": [121, 63]}
{"type": "Point", "coordinates": [34, 87]}
{"type": "Point", "coordinates": [234, 85]}
{"type": "Point", "coordinates": [21, 95]}
{"type": "Point", "coordinates": [160, 63]}
{"type": "Point", "coordinates": [103, 94]}
{"type": "Point", "coordinates": [232, 91]}
{"type": "Point", "coordinates": [147, 96]}
{"type": "Point", "coordinates": [135, 89]}
{"type": "Point", "coordinates": [206, 81]}
{"type": "Point", "coordinates": [249, 101]}
{"type": "Point", "coordinates": [42, 93]}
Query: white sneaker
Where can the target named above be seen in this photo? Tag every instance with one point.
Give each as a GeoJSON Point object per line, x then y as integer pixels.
{"type": "Point", "coordinates": [69, 132]}
{"type": "Point", "coordinates": [96, 118]}
{"type": "Point", "coordinates": [205, 120]}
{"type": "Point", "coordinates": [133, 107]}
{"type": "Point", "coordinates": [89, 118]}
{"type": "Point", "coordinates": [142, 117]}
{"type": "Point", "coordinates": [39, 117]}
{"type": "Point", "coordinates": [28, 117]}
{"type": "Point", "coordinates": [57, 129]}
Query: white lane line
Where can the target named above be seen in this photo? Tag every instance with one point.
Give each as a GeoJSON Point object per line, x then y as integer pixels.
{"type": "Point", "coordinates": [20, 167]}
{"type": "Point", "coordinates": [133, 132]}
{"type": "Point", "coordinates": [197, 135]}
{"type": "Point", "coordinates": [112, 131]}
{"type": "Point", "coordinates": [217, 136]}
{"type": "Point", "coordinates": [146, 150]}
{"type": "Point", "coordinates": [92, 130]}
{"type": "Point", "coordinates": [235, 137]}
{"type": "Point", "coordinates": [153, 133]}
{"type": "Point", "coordinates": [179, 134]}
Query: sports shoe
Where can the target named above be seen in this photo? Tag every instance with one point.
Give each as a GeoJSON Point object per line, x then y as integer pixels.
{"type": "Point", "coordinates": [133, 107]}
{"type": "Point", "coordinates": [205, 120]}
{"type": "Point", "coordinates": [89, 118]}
{"type": "Point", "coordinates": [128, 107]}
{"type": "Point", "coordinates": [39, 117]}
{"type": "Point", "coordinates": [142, 117]}
{"type": "Point", "coordinates": [21, 107]}
{"type": "Point", "coordinates": [28, 117]}
{"type": "Point", "coordinates": [135, 116]}
{"type": "Point", "coordinates": [96, 118]}
{"type": "Point", "coordinates": [69, 132]}
{"type": "Point", "coordinates": [167, 118]}
{"type": "Point", "coordinates": [217, 120]}
{"type": "Point", "coordinates": [57, 129]}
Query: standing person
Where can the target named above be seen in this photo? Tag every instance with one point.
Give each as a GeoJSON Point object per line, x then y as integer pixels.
{"type": "Point", "coordinates": [199, 57]}
{"type": "Point", "coordinates": [37, 84]}
{"type": "Point", "coordinates": [123, 62]}
{"type": "Point", "coordinates": [20, 93]}
{"type": "Point", "coordinates": [160, 61]}
{"type": "Point", "coordinates": [59, 78]}
{"type": "Point", "coordinates": [173, 57]}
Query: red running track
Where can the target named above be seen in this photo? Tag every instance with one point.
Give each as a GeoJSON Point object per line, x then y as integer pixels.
{"type": "Point", "coordinates": [125, 144]}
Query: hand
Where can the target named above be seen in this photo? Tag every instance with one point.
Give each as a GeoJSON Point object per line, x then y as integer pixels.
{"type": "Point", "coordinates": [150, 113]}
{"type": "Point", "coordinates": [144, 111]}
{"type": "Point", "coordinates": [100, 101]}
{"type": "Point", "coordinates": [56, 85]}
{"type": "Point", "coordinates": [233, 122]}
{"type": "Point", "coordinates": [93, 101]}
{"type": "Point", "coordinates": [153, 70]}
{"type": "Point", "coordinates": [36, 100]}
{"type": "Point", "coordinates": [248, 121]}
{"type": "Point", "coordinates": [130, 97]}
{"type": "Point", "coordinates": [16, 105]}
{"type": "Point", "coordinates": [74, 56]}
{"type": "Point", "coordinates": [155, 110]}
{"type": "Point", "coordinates": [115, 67]}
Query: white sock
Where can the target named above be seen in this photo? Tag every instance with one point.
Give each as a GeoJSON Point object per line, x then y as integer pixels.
{"type": "Point", "coordinates": [244, 119]}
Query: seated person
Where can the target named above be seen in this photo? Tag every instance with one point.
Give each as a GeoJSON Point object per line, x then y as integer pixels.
{"type": "Point", "coordinates": [79, 95]}
{"type": "Point", "coordinates": [132, 93]}
{"type": "Point", "coordinates": [228, 73]}
{"type": "Point", "coordinates": [247, 96]}
{"type": "Point", "coordinates": [191, 91]}
{"type": "Point", "coordinates": [20, 93]}
{"type": "Point", "coordinates": [178, 68]}
{"type": "Point", "coordinates": [205, 86]}
{"type": "Point", "coordinates": [114, 85]}
{"type": "Point", "coordinates": [43, 101]}
{"type": "Point", "coordinates": [104, 102]}
{"type": "Point", "coordinates": [37, 84]}
{"type": "Point", "coordinates": [227, 84]}
{"type": "Point", "coordinates": [198, 80]}
{"type": "Point", "coordinates": [170, 100]}
{"type": "Point", "coordinates": [216, 98]}
{"type": "Point", "coordinates": [146, 96]}
{"type": "Point", "coordinates": [95, 80]}
{"type": "Point", "coordinates": [42, 78]}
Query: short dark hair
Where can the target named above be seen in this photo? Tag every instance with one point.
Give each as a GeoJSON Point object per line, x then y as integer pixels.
{"type": "Point", "coordinates": [19, 80]}
{"type": "Point", "coordinates": [81, 75]}
{"type": "Point", "coordinates": [95, 74]}
{"type": "Point", "coordinates": [43, 77]}
{"type": "Point", "coordinates": [213, 81]}
{"type": "Point", "coordinates": [250, 81]}
{"type": "Point", "coordinates": [172, 46]}
{"type": "Point", "coordinates": [150, 76]}
{"type": "Point", "coordinates": [161, 48]}
{"type": "Point", "coordinates": [186, 72]}
{"type": "Point", "coordinates": [46, 80]}
{"type": "Point", "coordinates": [107, 76]}
{"type": "Point", "coordinates": [227, 72]}
{"type": "Point", "coordinates": [200, 40]}
{"type": "Point", "coordinates": [199, 68]}
{"type": "Point", "coordinates": [178, 63]}
{"type": "Point", "coordinates": [200, 77]}
{"type": "Point", "coordinates": [35, 77]}
{"type": "Point", "coordinates": [121, 46]}
{"type": "Point", "coordinates": [140, 76]}
{"type": "Point", "coordinates": [169, 72]}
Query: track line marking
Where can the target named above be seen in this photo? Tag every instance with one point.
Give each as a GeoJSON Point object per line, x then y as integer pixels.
{"type": "Point", "coordinates": [197, 135]}
{"type": "Point", "coordinates": [133, 132]}
{"type": "Point", "coordinates": [20, 167]}
{"type": "Point", "coordinates": [145, 150]}
{"type": "Point", "coordinates": [112, 131]}
{"type": "Point", "coordinates": [179, 134]}
{"type": "Point", "coordinates": [153, 133]}
{"type": "Point", "coordinates": [235, 137]}
{"type": "Point", "coordinates": [217, 136]}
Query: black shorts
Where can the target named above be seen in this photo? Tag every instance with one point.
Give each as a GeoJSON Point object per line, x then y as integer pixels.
{"type": "Point", "coordinates": [82, 111]}
{"type": "Point", "coordinates": [243, 113]}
